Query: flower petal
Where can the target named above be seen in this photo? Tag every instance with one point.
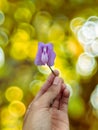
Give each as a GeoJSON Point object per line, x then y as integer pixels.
{"type": "Point", "coordinates": [51, 55]}
{"type": "Point", "coordinates": [39, 53]}
{"type": "Point", "coordinates": [44, 58]}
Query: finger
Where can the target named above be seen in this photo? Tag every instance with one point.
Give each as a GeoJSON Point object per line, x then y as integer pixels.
{"type": "Point", "coordinates": [64, 99]}
{"type": "Point", "coordinates": [52, 92]}
{"type": "Point", "coordinates": [56, 103]}
{"type": "Point", "coordinates": [47, 84]}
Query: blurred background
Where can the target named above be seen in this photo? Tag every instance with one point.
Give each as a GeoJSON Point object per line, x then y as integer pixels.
{"type": "Point", "coordinates": [72, 27]}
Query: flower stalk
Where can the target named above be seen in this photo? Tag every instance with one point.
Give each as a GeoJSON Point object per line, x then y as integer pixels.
{"type": "Point", "coordinates": [52, 70]}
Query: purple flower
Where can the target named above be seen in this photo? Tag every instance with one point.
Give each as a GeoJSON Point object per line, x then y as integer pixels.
{"type": "Point", "coordinates": [45, 54]}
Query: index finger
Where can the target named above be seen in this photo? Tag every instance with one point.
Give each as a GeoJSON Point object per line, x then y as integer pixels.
{"type": "Point", "coordinates": [47, 84]}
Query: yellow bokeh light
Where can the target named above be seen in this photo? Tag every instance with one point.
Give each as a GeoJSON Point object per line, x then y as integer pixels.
{"type": "Point", "coordinates": [33, 46]}
{"type": "Point", "coordinates": [28, 28]}
{"type": "Point", "coordinates": [23, 14]}
{"type": "Point", "coordinates": [19, 50]}
{"type": "Point", "coordinates": [76, 23]}
{"type": "Point", "coordinates": [58, 64]}
{"type": "Point", "coordinates": [14, 93]}
{"type": "Point", "coordinates": [20, 44]}
{"type": "Point", "coordinates": [73, 46]}
{"type": "Point", "coordinates": [17, 125]}
{"type": "Point", "coordinates": [41, 18]}
{"type": "Point", "coordinates": [20, 35]}
{"type": "Point", "coordinates": [4, 5]}
{"type": "Point", "coordinates": [6, 117]}
{"type": "Point", "coordinates": [56, 33]}
{"type": "Point", "coordinates": [17, 108]}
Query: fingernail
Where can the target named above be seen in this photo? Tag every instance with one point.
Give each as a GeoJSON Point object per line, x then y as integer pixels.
{"type": "Point", "coordinates": [56, 72]}
{"type": "Point", "coordinates": [56, 81]}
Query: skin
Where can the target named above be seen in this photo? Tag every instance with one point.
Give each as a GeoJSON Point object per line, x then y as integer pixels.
{"type": "Point", "coordinates": [48, 111]}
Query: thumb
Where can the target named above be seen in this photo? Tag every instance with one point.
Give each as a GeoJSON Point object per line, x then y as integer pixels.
{"type": "Point", "coordinates": [52, 93]}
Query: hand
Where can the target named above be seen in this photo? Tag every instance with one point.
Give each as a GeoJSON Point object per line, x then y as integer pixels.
{"type": "Point", "coordinates": [48, 111]}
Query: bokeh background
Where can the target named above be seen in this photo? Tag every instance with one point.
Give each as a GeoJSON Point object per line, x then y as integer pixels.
{"type": "Point", "coordinates": [72, 27]}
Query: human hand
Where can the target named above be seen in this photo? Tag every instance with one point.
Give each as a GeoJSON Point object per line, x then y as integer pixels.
{"type": "Point", "coordinates": [48, 111]}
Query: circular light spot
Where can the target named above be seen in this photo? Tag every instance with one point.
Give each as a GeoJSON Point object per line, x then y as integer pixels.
{"type": "Point", "coordinates": [2, 57]}
{"type": "Point", "coordinates": [28, 28]}
{"type": "Point", "coordinates": [87, 33]}
{"type": "Point", "coordinates": [93, 19]}
{"type": "Point", "coordinates": [13, 93]}
{"type": "Point", "coordinates": [76, 23]}
{"type": "Point", "coordinates": [56, 33]}
{"type": "Point", "coordinates": [2, 17]}
{"type": "Point", "coordinates": [23, 14]}
{"type": "Point", "coordinates": [35, 86]}
{"type": "Point", "coordinates": [88, 30]}
{"type": "Point", "coordinates": [41, 18]}
{"type": "Point", "coordinates": [3, 38]}
{"type": "Point", "coordinates": [94, 98]}
{"type": "Point", "coordinates": [86, 61]}
{"type": "Point", "coordinates": [88, 49]}
{"type": "Point", "coordinates": [94, 47]}
{"type": "Point", "coordinates": [6, 117]}
{"type": "Point", "coordinates": [17, 108]}
{"type": "Point", "coordinates": [86, 64]}
{"type": "Point", "coordinates": [20, 45]}
{"type": "Point", "coordinates": [44, 69]}
{"type": "Point", "coordinates": [19, 50]}
{"type": "Point", "coordinates": [20, 35]}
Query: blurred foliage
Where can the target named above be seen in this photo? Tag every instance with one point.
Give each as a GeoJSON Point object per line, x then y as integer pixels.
{"type": "Point", "coordinates": [23, 23]}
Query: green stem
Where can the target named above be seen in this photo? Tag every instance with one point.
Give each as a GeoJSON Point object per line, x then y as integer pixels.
{"type": "Point", "coordinates": [52, 70]}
